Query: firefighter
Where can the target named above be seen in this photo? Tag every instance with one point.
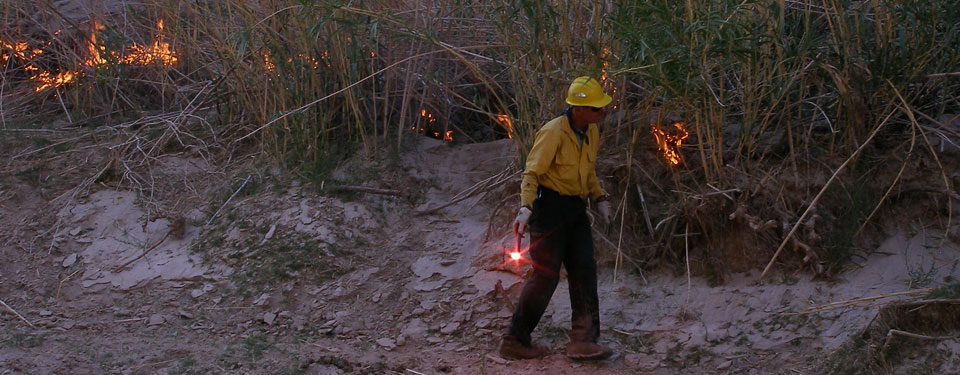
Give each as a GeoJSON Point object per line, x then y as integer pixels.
{"type": "Point", "coordinates": [557, 183]}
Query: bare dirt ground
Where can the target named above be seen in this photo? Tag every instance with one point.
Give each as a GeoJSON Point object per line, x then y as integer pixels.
{"type": "Point", "coordinates": [246, 271]}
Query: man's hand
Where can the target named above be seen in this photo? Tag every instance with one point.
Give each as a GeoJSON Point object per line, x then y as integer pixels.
{"type": "Point", "coordinates": [520, 224]}
{"type": "Point", "coordinates": [604, 208]}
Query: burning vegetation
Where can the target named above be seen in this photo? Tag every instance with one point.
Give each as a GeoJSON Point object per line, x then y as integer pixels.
{"type": "Point", "coordinates": [670, 141]}
{"type": "Point", "coordinates": [27, 58]}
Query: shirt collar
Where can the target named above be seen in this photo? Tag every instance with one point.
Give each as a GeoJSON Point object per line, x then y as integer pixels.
{"type": "Point", "coordinates": [581, 134]}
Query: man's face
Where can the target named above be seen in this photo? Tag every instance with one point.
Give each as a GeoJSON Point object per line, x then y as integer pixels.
{"type": "Point", "coordinates": [591, 114]}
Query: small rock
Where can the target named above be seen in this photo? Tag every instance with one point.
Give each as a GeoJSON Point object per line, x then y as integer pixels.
{"type": "Point", "coordinates": [434, 340]}
{"type": "Point", "coordinates": [387, 344]}
{"type": "Point", "coordinates": [67, 323]}
{"type": "Point", "coordinates": [269, 235]}
{"type": "Point", "coordinates": [450, 328]}
{"type": "Point", "coordinates": [70, 260]}
{"type": "Point", "coordinates": [46, 312]}
{"type": "Point", "coordinates": [299, 323]}
{"type": "Point", "coordinates": [75, 231]}
{"type": "Point", "coordinates": [725, 365]}
{"type": "Point", "coordinates": [284, 314]}
{"type": "Point", "coordinates": [643, 362]}
{"type": "Point", "coordinates": [462, 316]}
{"type": "Point", "coordinates": [262, 300]}
{"type": "Point", "coordinates": [196, 293]}
{"type": "Point", "coordinates": [155, 320]}
{"type": "Point", "coordinates": [427, 304]}
{"type": "Point", "coordinates": [184, 314]}
{"type": "Point", "coordinates": [269, 318]}
{"type": "Point", "coordinates": [483, 323]}
{"type": "Point", "coordinates": [470, 290]}
{"type": "Point", "coordinates": [415, 329]}
{"type": "Point", "coordinates": [498, 360]}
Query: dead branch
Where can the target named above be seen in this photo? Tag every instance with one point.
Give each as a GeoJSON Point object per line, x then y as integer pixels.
{"type": "Point", "coordinates": [481, 187]}
{"type": "Point", "coordinates": [646, 213]}
{"type": "Point", "coordinates": [498, 290]}
{"type": "Point", "coordinates": [367, 190]}
{"type": "Point", "coordinates": [120, 267]}
{"type": "Point", "coordinates": [893, 332]}
{"type": "Point", "coordinates": [856, 301]}
{"type": "Point", "coordinates": [228, 200]}
{"type": "Point", "coordinates": [17, 314]}
{"type": "Point", "coordinates": [636, 265]}
{"type": "Point", "coordinates": [823, 190]}
{"type": "Point", "coordinates": [754, 222]}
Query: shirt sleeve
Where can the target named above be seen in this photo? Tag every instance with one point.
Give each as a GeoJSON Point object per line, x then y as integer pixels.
{"type": "Point", "coordinates": [593, 183]}
{"type": "Point", "coordinates": [538, 162]}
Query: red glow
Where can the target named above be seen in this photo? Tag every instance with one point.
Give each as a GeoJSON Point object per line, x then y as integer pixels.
{"type": "Point", "coordinates": [514, 258]}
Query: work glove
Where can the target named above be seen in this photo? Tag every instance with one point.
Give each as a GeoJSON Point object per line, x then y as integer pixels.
{"type": "Point", "coordinates": [603, 208]}
{"type": "Point", "coordinates": [523, 218]}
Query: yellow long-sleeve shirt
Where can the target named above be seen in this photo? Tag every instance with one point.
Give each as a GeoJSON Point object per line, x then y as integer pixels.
{"type": "Point", "coordinates": [558, 162]}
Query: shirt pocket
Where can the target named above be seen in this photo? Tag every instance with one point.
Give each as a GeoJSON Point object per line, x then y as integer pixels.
{"type": "Point", "coordinates": [567, 162]}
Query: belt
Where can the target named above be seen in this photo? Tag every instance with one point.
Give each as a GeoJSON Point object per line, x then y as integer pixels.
{"type": "Point", "coordinates": [543, 192]}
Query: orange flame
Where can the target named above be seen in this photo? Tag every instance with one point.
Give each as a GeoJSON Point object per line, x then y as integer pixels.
{"type": "Point", "coordinates": [158, 52]}
{"type": "Point", "coordinates": [669, 144]}
{"type": "Point", "coordinates": [448, 136]}
{"type": "Point", "coordinates": [306, 60]}
{"type": "Point", "coordinates": [140, 55]}
{"type": "Point", "coordinates": [507, 123]}
{"type": "Point", "coordinates": [608, 86]}
{"type": "Point", "coordinates": [428, 116]}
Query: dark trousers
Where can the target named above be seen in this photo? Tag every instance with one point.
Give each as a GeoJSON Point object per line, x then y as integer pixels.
{"type": "Point", "coordinates": [559, 235]}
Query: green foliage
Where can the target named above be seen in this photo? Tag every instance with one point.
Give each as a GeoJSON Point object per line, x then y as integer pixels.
{"type": "Point", "coordinates": [21, 340]}
{"type": "Point", "coordinates": [849, 207]}
{"type": "Point", "coordinates": [246, 352]}
{"type": "Point", "coordinates": [949, 291]}
{"type": "Point", "coordinates": [851, 359]}
{"type": "Point", "coordinates": [287, 257]}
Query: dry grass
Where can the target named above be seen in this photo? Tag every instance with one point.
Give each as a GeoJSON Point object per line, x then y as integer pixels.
{"type": "Point", "coordinates": [777, 96]}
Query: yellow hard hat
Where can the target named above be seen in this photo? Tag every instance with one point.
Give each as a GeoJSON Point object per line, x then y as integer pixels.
{"type": "Point", "coordinates": [586, 92]}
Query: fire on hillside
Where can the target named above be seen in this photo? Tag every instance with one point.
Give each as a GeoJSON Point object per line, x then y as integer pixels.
{"type": "Point", "coordinates": [159, 52]}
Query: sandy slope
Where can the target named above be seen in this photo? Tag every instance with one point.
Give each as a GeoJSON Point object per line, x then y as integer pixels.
{"type": "Point", "coordinates": [408, 293]}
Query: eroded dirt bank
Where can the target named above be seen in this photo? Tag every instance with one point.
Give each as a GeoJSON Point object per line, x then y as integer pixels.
{"type": "Point", "coordinates": [288, 280]}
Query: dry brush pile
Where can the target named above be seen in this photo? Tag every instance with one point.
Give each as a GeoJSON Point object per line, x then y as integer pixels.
{"type": "Point", "coordinates": [798, 122]}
